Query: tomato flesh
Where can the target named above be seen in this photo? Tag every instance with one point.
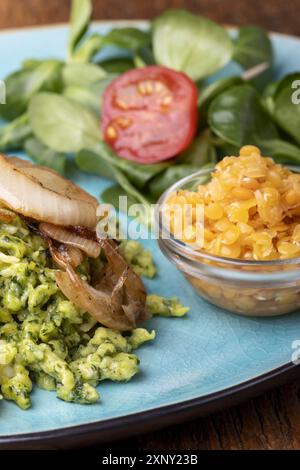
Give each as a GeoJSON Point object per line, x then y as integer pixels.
{"type": "Point", "coordinates": [150, 114]}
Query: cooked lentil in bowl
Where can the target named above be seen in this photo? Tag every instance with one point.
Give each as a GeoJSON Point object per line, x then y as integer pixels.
{"type": "Point", "coordinates": [248, 258]}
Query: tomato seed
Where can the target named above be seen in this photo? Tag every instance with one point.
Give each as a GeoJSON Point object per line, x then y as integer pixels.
{"type": "Point", "coordinates": [111, 132]}
{"type": "Point", "coordinates": [121, 104]}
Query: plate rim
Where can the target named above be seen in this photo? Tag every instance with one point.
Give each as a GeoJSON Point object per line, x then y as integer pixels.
{"type": "Point", "coordinates": [149, 420]}
{"type": "Point", "coordinates": [121, 22]}
{"type": "Point", "coordinates": [157, 417]}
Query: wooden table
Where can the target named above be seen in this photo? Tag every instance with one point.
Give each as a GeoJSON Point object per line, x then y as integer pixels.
{"type": "Point", "coordinates": [271, 421]}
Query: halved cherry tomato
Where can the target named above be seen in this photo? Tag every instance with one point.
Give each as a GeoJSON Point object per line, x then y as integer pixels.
{"type": "Point", "coordinates": [149, 114]}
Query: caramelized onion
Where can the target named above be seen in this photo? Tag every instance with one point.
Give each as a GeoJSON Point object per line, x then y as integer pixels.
{"type": "Point", "coordinates": [44, 195]}
{"type": "Point", "coordinates": [118, 297]}
{"type": "Point", "coordinates": [64, 256]}
{"type": "Point", "coordinates": [97, 303]}
{"type": "Point", "coordinates": [6, 215]}
{"type": "Point", "coordinates": [74, 255]}
{"type": "Point", "coordinates": [135, 289]}
{"type": "Point", "coordinates": [68, 236]}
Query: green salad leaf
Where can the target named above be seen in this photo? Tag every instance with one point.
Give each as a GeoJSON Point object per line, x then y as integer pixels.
{"type": "Point", "coordinates": [112, 196]}
{"type": "Point", "coordinates": [45, 156]}
{"type": "Point", "coordinates": [130, 189]}
{"type": "Point", "coordinates": [289, 80]}
{"type": "Point", "coordinates": [61, 124]}
{"type": "Point", "coordinates": [31, 63]}
{"type": "Point", "coordinates": [144, 57]}
{"type": "Point", "coordinates": [81, 12]}
{"type": "Point", "coordinates": [103, 156]}
{"type": "Point", "coordinates": [23, 84]}
{"type": "Point", "coordinates": [238, 117]}
{"type": "Point", "coordinates": [212, 90]}
{"type": "Point", "coordinates": [14, 134]}
{"type": "Point", "coordinates": [273, 88]}
{"type": "Point", "coordinates": [144, 214]}
{"type": "Point", "coordinates": [200, 152]}
{"type": "Point", "coordinates": [282, 151]}
{"type": "Point", "coordinates": [89, 96]}
{"type": "Point", "coordinates": [82, 74]}
{"type": "Point", "coordinates": [191, 44]}
{"type": "Point", "coordinates": [84, 97]}
{"type": "Point", "coordinates": [117, 65]}
{"type": "Point", "coordinates": [132, 178]}
{"type": "Point", "coordinates": [268, 96]}
{"type": "Point", "coordinates": [287, 106]}
{"type": "Point", "coordinates": [86, 51]}
{"type": "Point", "coordinates": [172, 174]}
{"type": "Point", "coordinates": [92, 162]}
{"type": "Point", "coordinates": [129, 38]}
{"type": "Point", "coordinates": [252, 47]}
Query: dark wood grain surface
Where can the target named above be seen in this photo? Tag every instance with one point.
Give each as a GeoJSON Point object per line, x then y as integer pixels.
{"type": "Point", "coordinates": [271, 421]}
{"type": "Point", "coordinates": [276, 15]}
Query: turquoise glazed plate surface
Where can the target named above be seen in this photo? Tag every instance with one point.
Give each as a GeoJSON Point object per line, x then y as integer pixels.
{"type": "Point", "coordinates": [196, 365]}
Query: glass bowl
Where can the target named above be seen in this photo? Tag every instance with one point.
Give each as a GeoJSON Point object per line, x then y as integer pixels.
{"type": "Point", "coordinates": [255, 288]}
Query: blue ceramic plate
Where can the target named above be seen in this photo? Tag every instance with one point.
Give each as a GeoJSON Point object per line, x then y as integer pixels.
{"type": "Point", "coordinates": [209, 359]}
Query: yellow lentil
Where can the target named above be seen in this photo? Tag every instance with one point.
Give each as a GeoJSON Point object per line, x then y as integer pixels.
{"type": "Point", "coordinates": [251, 208]}
{"type": "Point", "coordinates": [214, 211]}
{"type": "Point", "coordinates": [292, 197]}
{"type": "Point", "coordinates": [242, 193]}
{"type": "Point", "coordinates": [249, 150]}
